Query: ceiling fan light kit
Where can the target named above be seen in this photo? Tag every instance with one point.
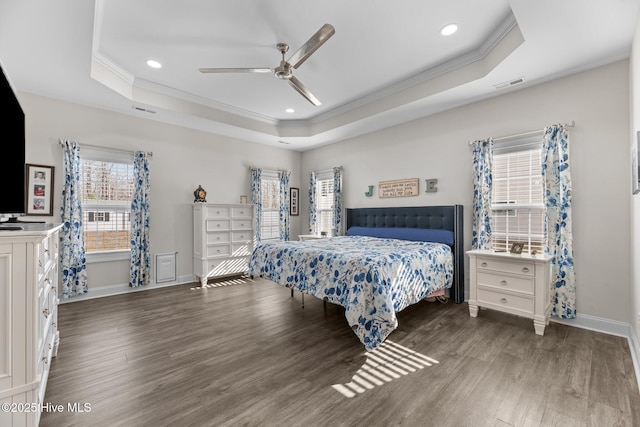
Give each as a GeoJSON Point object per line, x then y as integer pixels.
{"type": "Point", "coordinates": [284, 70]}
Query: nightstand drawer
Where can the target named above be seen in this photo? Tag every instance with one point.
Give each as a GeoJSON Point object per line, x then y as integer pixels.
{"type": "Point", "coordinates": [515, 267]}
{"type": "Point", "coordinates": [507, 301]}
{"type": "Point", "coordinates": [502, 281]}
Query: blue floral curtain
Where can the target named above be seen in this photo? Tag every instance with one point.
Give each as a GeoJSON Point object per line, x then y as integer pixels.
{"type": "Point", "coordinates": [283, 177]}
{"type": "Point", "coordinates": [337, 201]}
{"type": "Point", "coordinates": [482, 185]}
{"type": "Point", "coordinates": [558, 232]}
{"type": "Point", "coordinates": [72, 255]}
{"type": "Point", "coordinates": [313, 208]}
{"type": "Point", "coordinates": [256, 197]}
{"type": "Point", "coordinates": [140, 269]}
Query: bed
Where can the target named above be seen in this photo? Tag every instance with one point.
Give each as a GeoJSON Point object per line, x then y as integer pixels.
{"type": "Point", "coordinates": [389, 259]}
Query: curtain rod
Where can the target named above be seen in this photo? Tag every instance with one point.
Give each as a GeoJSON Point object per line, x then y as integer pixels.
{"type": "Point", "coordinates": [118, 150]}
{"type": "Point", "coordinates": [524, 134]}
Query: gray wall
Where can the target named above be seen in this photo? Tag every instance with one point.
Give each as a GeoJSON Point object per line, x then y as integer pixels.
{"type": "Point", "coordinates": [437, 147]}
{"type": "Point", "coordinates": [182, 160]}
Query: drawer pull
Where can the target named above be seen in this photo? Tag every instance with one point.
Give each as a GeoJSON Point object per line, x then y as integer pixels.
{"type": "Point", "coordinates": [503, 282]}
{"type": "Point", "coordinates": [241, 236]}
{"type": "Point", "coordinates": [218, 225]}
{"type": "Point", "coordinates": [525, 269]}
{"type": "Point", "coordinates": [45, 361]}
{"type": "Point", "coordinates": [45, 312]}
{"type": "Point", "coordinates": [484, 264]}
{"type": "Point", "coordinates": [217, 212]}
{"type": "Point", "coordinates": [46, 251]}
{"type": "Point", "coordinates": [503, 300]}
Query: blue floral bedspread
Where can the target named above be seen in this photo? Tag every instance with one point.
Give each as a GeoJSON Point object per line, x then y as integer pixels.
{"type": "Point", "coordinates": [372, 278]}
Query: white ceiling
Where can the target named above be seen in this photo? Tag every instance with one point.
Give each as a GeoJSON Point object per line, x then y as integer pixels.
{"type": "Point", "coordinates": [386, 63]}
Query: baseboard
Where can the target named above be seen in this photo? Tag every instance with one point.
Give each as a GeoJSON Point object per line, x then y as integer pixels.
{"type": "Point", "coordinates": [123, 288]}
{"type": "Point", "coordinates": [611, 327]}
{"type": "Point", "coordinates": [634, 346]}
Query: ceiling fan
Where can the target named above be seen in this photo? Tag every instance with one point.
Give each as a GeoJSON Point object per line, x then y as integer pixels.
{"type": "Point", "coordinates": [284, 70]}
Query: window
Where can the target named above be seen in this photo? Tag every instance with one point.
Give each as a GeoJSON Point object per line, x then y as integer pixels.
{"type": "Point", "coordinates": [324, 202]}
{"type": "Point", "coordinates": [107, 190]}
{"type": "Point", "coordinates": [517, 199]}
{"type": "Point", "coordinates": [270, 217]}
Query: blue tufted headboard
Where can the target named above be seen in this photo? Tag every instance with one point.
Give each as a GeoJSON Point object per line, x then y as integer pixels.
{"type": "Point", "coordinates": [428, 217]}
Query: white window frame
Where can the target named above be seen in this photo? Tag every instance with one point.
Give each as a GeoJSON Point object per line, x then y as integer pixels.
{"type": "Point", "coordinates": [512, 210]}
{"type": "Point", "coordinates": [270, 176]}
{"type": "Point", "coordinates": [111, 156]}
{"type": "Point", "coordinates": [321, 212]}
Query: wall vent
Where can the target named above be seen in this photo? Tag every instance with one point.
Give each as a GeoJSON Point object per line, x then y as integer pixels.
{"type": "Point", "coordinates": [510, 83]}
{"type": "Point", "coordinates": [144, 110]}
{"type": "Point", "coordinates": [166, 267]}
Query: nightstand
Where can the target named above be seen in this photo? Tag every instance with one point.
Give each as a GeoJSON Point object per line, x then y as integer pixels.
{"type": "Point", "coordinates": [310, 237]}
{"type": "Point", "coordinates": [511, 283]}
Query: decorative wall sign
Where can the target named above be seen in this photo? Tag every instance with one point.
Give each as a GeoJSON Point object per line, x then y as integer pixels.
{"type": "Point", "coordinates": [398, 188]}
{"type": "Point", "coordinates": [431, 185]}
{"type": "Point", "coordinates": [39, 190]}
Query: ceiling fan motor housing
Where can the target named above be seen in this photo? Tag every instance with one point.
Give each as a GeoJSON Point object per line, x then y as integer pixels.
{"type": "Point", "coordinates": [283, 71]}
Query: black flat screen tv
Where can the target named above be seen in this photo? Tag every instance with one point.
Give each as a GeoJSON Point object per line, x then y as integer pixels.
{"type": "Point", "coordinates": [12, 168]}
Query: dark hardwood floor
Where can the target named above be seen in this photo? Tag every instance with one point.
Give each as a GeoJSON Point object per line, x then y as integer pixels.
{"type": "Point", "coordinates": [244, 353]}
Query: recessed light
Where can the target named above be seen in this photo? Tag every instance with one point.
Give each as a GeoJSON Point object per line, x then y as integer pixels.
{"type": "Point", "coordinates": [153, 63]}
{"type": "Point", "coordinates": [290, 110]}
{"type": "Point", "coordinates": [449, 29]}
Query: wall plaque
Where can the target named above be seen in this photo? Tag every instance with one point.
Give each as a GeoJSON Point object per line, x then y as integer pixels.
{"type": "Point", "coordinates": [398, 188]}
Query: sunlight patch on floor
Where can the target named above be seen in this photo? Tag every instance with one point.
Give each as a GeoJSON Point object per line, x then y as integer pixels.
{"type": "Point", "coordinates": [388, 362]}
{"type": "Point", "coordinates": [230, 282]}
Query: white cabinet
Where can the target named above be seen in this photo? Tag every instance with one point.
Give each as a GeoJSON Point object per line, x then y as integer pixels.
{"type": "Point", "coordinates": [512, 283]}
{"type": "Point", "coordinates": [29, 334]}
{"type": "Point", "coordinates": [223, 239]}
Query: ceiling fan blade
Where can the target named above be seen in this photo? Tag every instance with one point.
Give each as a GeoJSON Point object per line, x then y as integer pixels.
{"type": "Point", "coordinates": [317, 40]}
{"type": "Point", "coordinates": [302, 90]}
{"type": "Point", "coordinates": [235, 70]}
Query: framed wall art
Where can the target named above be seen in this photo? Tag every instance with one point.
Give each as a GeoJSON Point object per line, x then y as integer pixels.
{"type": "Point", "coordinates": [39, 190]}
{"type": "Point", "coordinates": [294, 201]}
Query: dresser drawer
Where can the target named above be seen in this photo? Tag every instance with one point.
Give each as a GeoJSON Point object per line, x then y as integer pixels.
{"type": "Point", "coordinates": [241, 236]}
{"type": "Point", "coordinates": [504, 301]}
{"type": "Point", "coordinates": [218, 237]}
{"type": "Point", "coordinates": [242, 212]}
{"type": "Point", "coordinates": [218, 225]}
{"type": "Point", "coordinates": [214, 212]}
{"type": "Point", "coordinates": [242, 224]}
{"type": "Point", "coordinates": [216, 251]}
{"type": "Point", "coordinates": [226, 267]}
{"type": "Point", "coordinates": [239, 249]}
{"type": "Point", "coordinates": [503, 281]}
{"type": "Point", "coordinates": [526, 268]}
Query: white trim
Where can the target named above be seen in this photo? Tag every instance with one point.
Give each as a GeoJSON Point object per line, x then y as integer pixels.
{"type": "Point", "coordinates": [108, 256]}
{"type": "Point", "coordinates": [611, 327]}
{"type": "Point", "coordinates": [123, 288]}
{"type": "Point", "coordinates": [634, 346]}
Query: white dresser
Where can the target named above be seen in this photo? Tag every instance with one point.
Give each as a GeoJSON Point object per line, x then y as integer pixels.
{"type": "Point", "coordinates": [512, 283]}
{"type": "Point", "coordinates": [223, 239]}
{"type": "Point", "coordinates": [29, 334]}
